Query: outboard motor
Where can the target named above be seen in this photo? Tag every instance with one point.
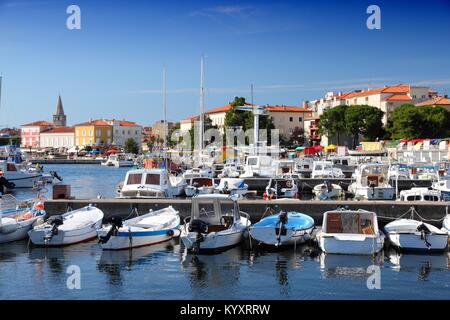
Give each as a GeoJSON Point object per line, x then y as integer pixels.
{"type": "Point", "coordinates": [282, 221]}
{"type": "Point", "coordinates": [196, 185]}
{"type": "Point", "coordinates": [329, 186]}
{"type": "Point", "coordinates": [200, 227]}
{"type": "Point", "coordinates": [55, 222]}
{"type": "Point", "coordinates": [424, 232]}
{"type": "Point", "coordinates": [56, 175]}
{"type": "Point", "coordinates": [116, 223]}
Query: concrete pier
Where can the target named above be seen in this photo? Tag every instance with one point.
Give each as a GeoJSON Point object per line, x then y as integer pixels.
{"type": "Point", "coordinates": [386, 210]}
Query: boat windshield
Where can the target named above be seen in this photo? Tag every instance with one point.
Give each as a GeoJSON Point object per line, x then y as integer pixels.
{"type": "Point", "coordinates": [152, 178]}
{"type": "Point", "coordinates": [252, 161]}
{"type": "Point", "coordinates": [134, 178]}
{"type": "Point", "coordinates": [350, 223]}
{"type": "Point", "coordinates": [203, 182]}
{"type": "Point", "coordinates": [374, 170]}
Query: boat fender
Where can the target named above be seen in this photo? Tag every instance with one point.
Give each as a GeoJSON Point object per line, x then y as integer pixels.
{"type": "Point", "coordinates": [170, 233]}
{"type": "Point", "coordinates": [38, 221]}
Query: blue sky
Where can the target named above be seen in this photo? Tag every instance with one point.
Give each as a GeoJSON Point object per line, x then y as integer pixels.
{"type": "Point", "coordinates": [289, 50]}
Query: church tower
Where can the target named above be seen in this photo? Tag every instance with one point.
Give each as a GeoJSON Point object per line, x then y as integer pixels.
{"type": "Point", "coordinates": [59, 118]}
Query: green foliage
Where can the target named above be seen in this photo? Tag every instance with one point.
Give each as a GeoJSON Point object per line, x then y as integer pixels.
{"type": "Point", "coordinates": [297, 137]}
{"type": "Point", "coordinates": [131, 146]}
{"type": "Point", "coordinates": [411, 122]}
{"type": "Point", "coordinates": [332, 122]}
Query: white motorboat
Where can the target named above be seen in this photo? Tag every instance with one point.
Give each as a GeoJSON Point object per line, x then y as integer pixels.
{"type": "Point", "coordinates": [201, 172]}
{"type": "Point", "coordinates": [258, 166]}
{"type": "Point", "coordinates": [69, 228]}
{"type": "Point", "coordinates": [151, 228]}
{"type": "Point", "coordinates": [325, 170]}
{"type": "Point", "coordinates": [231, 170]}
{"type": "Point", "coordinates": [119, 160]}
{"type": "Point", "coordinates": [350, 232]}
{"type": "Point", "coordinates": [20, 178]}
{"type": "Point", "coordinates": [420, 194]}
{"type": "Point", "coordinates": [199, 186]}
{"type": "Point", "coordinates": [414, 235]}
{"type": "Point", "coordinates": [372, 183]}
{"type": "Point", "coordinates": [398, 172]}
{"type": "Point", "coordinates": [17, 220]}
{"type": "Point", "coordinates": [215, 223]}
{"type": "Point", "coordinates": [152, 183]}
{"type": "Point", "coordinates": [285, 228]}
{"type": "Point", "coordinates": [232, 186]}
{"type": "Point", "coordinates": [443, 185]}
{"type": "Point", "coordinates": [280, 188]}
{"type": "Point", "coordinates": [327, 191]}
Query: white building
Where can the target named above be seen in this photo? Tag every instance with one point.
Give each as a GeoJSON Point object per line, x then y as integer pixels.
{"type": "Point", "coordinates": [124, 130]}
{"type": "Point", "coordinates": [60, 137]}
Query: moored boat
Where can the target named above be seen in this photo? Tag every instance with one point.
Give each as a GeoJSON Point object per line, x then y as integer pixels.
{"type": "Point", "coordinates": [285, 228]}
{"type": "Point", "coordinates": [69, 228]}
{"type": "Point", "coordinates": [414, 235]}
{"type": "Point", "coordinates": [215, 224]}
{"type": "Point", "coordinates": [350, 232]}
{"type": "Point", "coordinates": [151, 228]}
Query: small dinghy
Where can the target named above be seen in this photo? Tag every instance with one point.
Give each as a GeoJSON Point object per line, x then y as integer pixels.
{"type": "Point", "coordinates": [350, 232]}
{"type": "Point", "coordinates": [151, 228]}
{"type": "Point", "coordinates": [285, 228]}
{"type": "Point", "coordinates": [327, 191]}
{"type": "Point", "coordinates": [414, 235]}
{"type": "Point", "coordinates": [215, 224]}
{"type": "Point", "coordinates": [15, 223]}
{"type": "Point", "coordinates": [71, 227]}
{"type": "Point", "coordinates": [232, 186]}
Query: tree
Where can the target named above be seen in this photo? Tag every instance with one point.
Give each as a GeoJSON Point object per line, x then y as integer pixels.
{"type": "Point", "coordinates": [131, 146]}
{"type": "Point", "coordinates": [364, 120]}
{"type": "Point", "coordinates": [237, 118]}
{"type": "Point", "coordinates": [411, 122]}
{"type": "Point", "coordinates": [297, 137]}
{"type": "Point", "coordinates": [332, 122]}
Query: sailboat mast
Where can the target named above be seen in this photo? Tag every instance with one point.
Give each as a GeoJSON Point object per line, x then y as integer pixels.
{"type": "Point", "coordinates": [202, 108]}
{"type": "Point", "coordinates": [165, 117]}
{"type": "Point", "coordinates": [1, 77]}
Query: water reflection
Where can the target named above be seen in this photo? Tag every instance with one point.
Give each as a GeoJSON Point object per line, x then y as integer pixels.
{"type": "Point", "coordinates": [10, 251]}
{"type": "Point", "coordinates": [212, 270]}
{"type": "Point", "coordinates": [423, 264]}
{"type": "Point", "coordinates": [355, 266]}
{"type": "Point", "coordinates": [114, 262]}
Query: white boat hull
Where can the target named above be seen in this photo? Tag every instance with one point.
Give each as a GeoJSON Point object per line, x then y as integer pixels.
{"type": "Point", "coordinates": [191, 191]}
{"type": "Point", "coordinates": [127, 242]}
{"type": "Point", "coordinates": [377, 193]}
{"type": "Point", "coordinates": [216, 241]}
{"type": "Point", "coordinates": [414, 241]}
{"type": "Point", "coordinates": [350, 244]}
{"type": "Point", "coordinates": [15, 231]}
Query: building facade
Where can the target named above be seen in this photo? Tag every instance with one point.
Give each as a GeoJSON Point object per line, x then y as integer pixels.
{"type": "Point", "coordinates": [442, 101]}
{"type": "Point", "coordinates": [124, 130]}
{"type": "Point", "coordinates": [30, 133]}
{"type": "Point", "coordinates": [59, 137]}
{"type": "Point", "coordinates": [93, 133]}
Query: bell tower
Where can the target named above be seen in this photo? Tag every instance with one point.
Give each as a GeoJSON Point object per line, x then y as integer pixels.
{"type": "Point", "coordinates": [59, 118]}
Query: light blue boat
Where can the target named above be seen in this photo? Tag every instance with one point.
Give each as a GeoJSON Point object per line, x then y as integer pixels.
{"type": "Point", "coordinates": [283, 229]}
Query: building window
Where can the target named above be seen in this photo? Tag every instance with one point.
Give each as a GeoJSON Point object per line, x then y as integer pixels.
{"type": "Point", "coordinates": [291, 119]}
{"type": "Point", "coordinates": [300, 119]}
{"type": "Point", "coordinates": [414, 96]}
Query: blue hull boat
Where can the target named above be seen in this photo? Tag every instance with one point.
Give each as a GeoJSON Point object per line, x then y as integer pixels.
{"type": "Point", "coordinates": [283, 229]}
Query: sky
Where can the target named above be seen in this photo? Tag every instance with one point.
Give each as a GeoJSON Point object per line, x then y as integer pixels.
{"type": "Point", "coordinates": [289, 50]}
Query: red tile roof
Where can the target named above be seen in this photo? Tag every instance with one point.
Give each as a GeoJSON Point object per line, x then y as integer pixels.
{"type": "Point", "coordinates": [94, 123]}
{"type": "Point", "coordinates": [124, 123]}
{"type": "Point", "coordinates": [278, 108]}
{"type": "Point", "coordinates": [440, 101]}
{"type": "Point", "coordinates": [400, 88]}
{"type": "Point", "coordinates": [38, 124]}
{"type": "Point", "coordinates": [60, 130]}
{"type": "Point", "coordinates": [191, 119]}
{"type": "Point", "coordinates": [399, 97]}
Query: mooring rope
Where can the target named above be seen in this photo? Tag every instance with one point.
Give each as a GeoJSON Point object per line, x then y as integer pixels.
{"type": "Point", "coordinates": [412, 211]}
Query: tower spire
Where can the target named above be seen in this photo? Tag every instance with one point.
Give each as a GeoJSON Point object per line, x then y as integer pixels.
{"type": "Point", "coordinates": [59, 118]}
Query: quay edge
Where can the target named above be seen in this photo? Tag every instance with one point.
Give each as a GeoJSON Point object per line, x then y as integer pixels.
{"type": "Point", "coordinates": [386, 210]}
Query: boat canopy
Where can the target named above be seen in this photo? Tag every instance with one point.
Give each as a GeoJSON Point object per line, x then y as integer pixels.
{"type": "Point", "coordinates": [211, 208]}
{"type": "Point", "coordinates": [350, 222]}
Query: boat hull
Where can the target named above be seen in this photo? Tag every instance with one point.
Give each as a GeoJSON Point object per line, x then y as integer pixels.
{"type": "Point", "coordinates": [128, 240]}
{"type": "Point", "coordinates": [377, 193]}
{"type": "Point", "coordinates": [350, 244]}
{"type": "Point", "coordinates": [414, 241]}
{"type": "Point", "coordinates": [17, 231]}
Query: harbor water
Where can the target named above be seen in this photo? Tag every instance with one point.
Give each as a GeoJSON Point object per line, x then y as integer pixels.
{"type": "Point", "coordinates": [166, 271]}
